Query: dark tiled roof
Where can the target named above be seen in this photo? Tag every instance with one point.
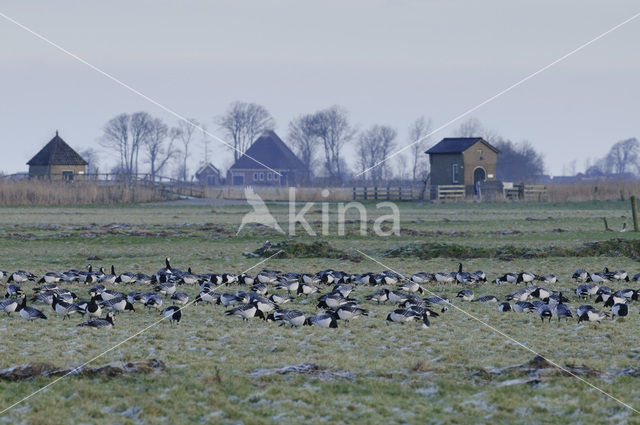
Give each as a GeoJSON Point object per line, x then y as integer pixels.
{"type": "Point", "coordinates": [57, 152]}
{"type": "Point", "coordinates": [207, 169]}
{"type": "Point", "coordinates": [271, 151]}
{"type": "Point", "coordinates": [457, 145]}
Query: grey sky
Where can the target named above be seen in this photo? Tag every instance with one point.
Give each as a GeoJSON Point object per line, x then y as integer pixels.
{"type": "Point", "coordinates": [387, 62]}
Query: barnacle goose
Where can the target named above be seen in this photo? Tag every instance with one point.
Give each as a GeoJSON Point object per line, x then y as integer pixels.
{"type": "Point", "coordinates": [119, 304]}
{"type": "Point", "coordinates": [106, 323]}
{"type": "Point", "coordinates": [526, 277]}
{"type": "Point", "coordinates": [379, 296]}
{"type": "Point", "coordinates": [173, 313]}
{"type": "Point", "coordinates": [343, 289]}
{"type": "Point", "coordinates": [507, 278]}
{"type": "Point", "coordinates": [29, 313]}
{"type": "Point", "coordinates": [592, 316]}
{"type": "Point", "coordinates": [50, 277]}
{"type": "Point", "coordinates": [21, 276]}
{"type": "Point", "coordinates": [307, 289]}
{"type": "Point", "coordinates": [465, 295]}
{"type": "Point", "coordinates": [246, 311]}
{"type": "Point", "coordinates": [109, 278]}
{"type": "Point", "coordinates": [63, 308]}
{"type": "Point", "coordinates": [504, 307]}
{"type": "Point", "coordinates": [620, 310]}
{"type": "Point", "coordinates": [411, 286]}
{"type": "Point", "coordinates": [544, 312]}
{"type": "Point", "coordinates": [398, 297]}
{"type": "Point", "coordinates": [322, 320]}
{"type": "Point", "coordinates": [13, 290]}
{"type": "Point", "coordinates": [350, 311]}
{"type": "Point", "coordinates": [180, 298]}
{"type": "Point", "coordinates": [523, 307]}
{"type": "Point", "coordinates": [548, 278]}
{"type": "Point", "coordinates": [580, 275]}
{"type": "Point", "coordinates": [9, 306]}
{"type": "Point", "coordinates": [401, 316]}
{"type": "Point", "coordinates": [486, 299]}
{"type": "Point", "coordinates": [330, 300]}
{"type": "Point", "coordinates": [292, 317]}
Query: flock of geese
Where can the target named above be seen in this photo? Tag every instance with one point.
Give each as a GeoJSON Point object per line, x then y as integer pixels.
{"type": "Point", "coordinates": [267, 294]}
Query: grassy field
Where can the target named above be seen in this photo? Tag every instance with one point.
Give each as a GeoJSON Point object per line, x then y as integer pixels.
{"type": "Point", "coordinates": [452, 372]}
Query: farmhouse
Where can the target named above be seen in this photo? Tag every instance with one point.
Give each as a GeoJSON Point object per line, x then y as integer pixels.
{"type": "Point", "coordinates": [57, 161]}
{"type": "Point", "coordinates": [208, 175]}
{"type": "Point", "coordinates": [466, 161]}
{"type": "Point", "coordinates": [266, 155]}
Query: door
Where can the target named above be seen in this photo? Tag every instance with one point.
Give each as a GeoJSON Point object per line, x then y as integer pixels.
{"type": "Point", "coordinates": [479, 175]}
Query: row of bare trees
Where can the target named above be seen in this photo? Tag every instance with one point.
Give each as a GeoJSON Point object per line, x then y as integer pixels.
{"type": "Point", "coordinates": [319, 139]}
{"type": "Point", "coordinates": [132, 134]}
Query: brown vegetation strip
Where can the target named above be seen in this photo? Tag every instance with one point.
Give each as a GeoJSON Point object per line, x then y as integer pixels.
{"type": "Point", "coordinates": [33, 370]}
{"type": "Point", "coordinates": [609, 248]}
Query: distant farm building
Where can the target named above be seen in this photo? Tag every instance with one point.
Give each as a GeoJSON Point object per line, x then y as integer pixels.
{"type": "Point", "coordinates": [57, 161]}
{"type": "Point", "coordinates": [464, 161]}
{"type": "Point", "coordinates": [208, 175]}
{"type": "Point", "coordinates": [267, 162]}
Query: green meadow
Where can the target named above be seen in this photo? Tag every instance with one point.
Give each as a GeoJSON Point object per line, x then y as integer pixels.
{"type": "Point", "coordinates": [219, 369]}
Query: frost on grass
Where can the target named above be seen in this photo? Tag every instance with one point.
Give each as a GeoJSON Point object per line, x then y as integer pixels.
{"type": "Point", "coordinates": [309, 369]}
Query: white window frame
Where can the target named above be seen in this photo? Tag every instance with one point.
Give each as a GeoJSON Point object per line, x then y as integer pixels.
{"type": "Point", "coordinates": [269, 177]}
{"type": "Point", "coordinates": [454, 173]}
{"type": "Point", "coordinates": [261, 176]}
{"type": "Point", "coordinates": [255, 176]}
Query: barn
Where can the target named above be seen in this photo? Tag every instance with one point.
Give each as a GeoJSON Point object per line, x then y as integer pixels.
{"type": "Point", "coordinates": [57, 161]}
{"type": "Point", "coordinates": [467, 161]}
{"type": "Point", "coordinates": [208, 175]}
{"type": "Point", "coordinates": [273, 155]}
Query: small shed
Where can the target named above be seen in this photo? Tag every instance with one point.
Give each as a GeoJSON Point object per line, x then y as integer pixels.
{"type": "Point", "coordinates": [468, 161]}
{"type": "Point", "coordinates": [268, 162]}
{"type": "Point", "coordinates": [208, 175]}
{"type": "Point", "coordinates": [57, 161]}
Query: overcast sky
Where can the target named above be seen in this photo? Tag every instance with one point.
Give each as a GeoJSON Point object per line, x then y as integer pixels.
{"type": "Point", "coordinates": [387, 62]}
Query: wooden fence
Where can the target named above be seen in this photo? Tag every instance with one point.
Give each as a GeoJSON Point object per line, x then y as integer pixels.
{"type": "Point", "coordinates": [390, 193]}
{"type": "Point", "coordinates": [450, 192]}
{"type": "Point", "coordinates": [527, 192]}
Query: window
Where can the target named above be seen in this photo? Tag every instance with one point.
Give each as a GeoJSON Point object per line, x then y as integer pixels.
{"type": "Point", "coordinates": [480, 154]}
{"type": "Point", "coordinates": [454, 177]}
{"type": "Point", "coordinates": [269, 177]}
{"type": "Point", "coordinates": [261, 176]}
{"type": "Point", "coordinates": [67, 176]}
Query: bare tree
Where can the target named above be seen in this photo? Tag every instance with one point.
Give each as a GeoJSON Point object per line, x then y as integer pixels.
{"type": "Point", "coordinates": [474, 128]}
{"type": "Point", "coordinates": [374, 145]}
{"type": "Point", "coordinates": [243, 122]}
{"type": "Point", "coordinates": [157, 153]}
{"type": "Point", "coordinates": [419, 165]}
{"type": "Point", "coordinates": [623, 156]}
{"type": "Point", "coordinates": [126, 134]}
{"type": "Point", "coordinates": [518, 162]}
{"type": "Point", "coordinates": [184, 133]}
{"type": "Point", "coordinates": [332, 126]}
{"type": "Point", "coordinates": [303, 137]}
{"type": "Point", "coordinates": [91, 156]}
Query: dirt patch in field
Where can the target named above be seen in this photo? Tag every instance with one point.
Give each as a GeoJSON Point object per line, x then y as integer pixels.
{"type": "Point", "coordinates": [33, 370]}
{"type": "Point", "coordinates": [610, 248]}
{"type": "Point", "coordinates": [309, 369]}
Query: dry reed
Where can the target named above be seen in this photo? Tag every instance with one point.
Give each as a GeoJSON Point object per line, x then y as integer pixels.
{"type": "Point", "coordinates": [43, 193]}
{"type": "Point", "coordinates": [593, 191]}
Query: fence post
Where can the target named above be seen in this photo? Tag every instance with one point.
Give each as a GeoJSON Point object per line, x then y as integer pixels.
{"type": "Point", "coordinates": [634, 212]}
